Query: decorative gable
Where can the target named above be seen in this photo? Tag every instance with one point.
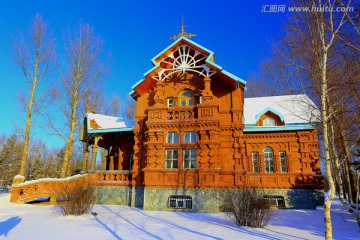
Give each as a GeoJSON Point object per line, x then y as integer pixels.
{"type": "Point", "coordinates": [184, 56]}
{"type": "Point", "coordinates": [181, 60]}
{"type": "Point", "coordinates": [269, 117]}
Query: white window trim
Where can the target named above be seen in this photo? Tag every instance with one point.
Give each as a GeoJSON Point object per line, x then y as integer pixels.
{"type": "Point", "coordinates": [191, 158]}
{"type": "Point", "coordinates": [169, 100]}
{"type": "Point", "coordinates": [172, 160]}
{"type": "Point", "coordinates": [268, 122]}
{"type": "Point", "coordinates": [257, 159]}
{"type": "Point", "coordinates": [172, 138]}
{"type": "Point", "coordinates": [269, 162]}
{"type": "Point", "coordinates": [191, 140]}
{"type": "Point", "coordinates": [281, 161]}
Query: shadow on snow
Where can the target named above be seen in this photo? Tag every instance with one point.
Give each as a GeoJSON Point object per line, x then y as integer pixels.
{"type": "Point", "coordinates": [7, 225]}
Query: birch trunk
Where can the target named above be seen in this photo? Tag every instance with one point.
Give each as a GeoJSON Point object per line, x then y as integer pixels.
{"type": "Point", "coordinates": [27, 132]}
{"type": "Point", "coordinates": [70, 141]}
{"type": "Point", "coordinates": [329, 196]}
{"type": "Point", "coordinates": [84, 70]}
{"type": "Point", "coordinates": [33, 56]}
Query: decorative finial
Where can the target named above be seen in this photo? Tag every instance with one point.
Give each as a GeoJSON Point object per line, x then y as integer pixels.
{"type": "Point", "coordinates": [182, 33]}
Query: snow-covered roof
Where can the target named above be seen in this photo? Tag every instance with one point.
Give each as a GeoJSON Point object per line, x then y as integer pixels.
{"type": "Point", "coordinates": [298, 112]}
{"type": "Point", "coordinates": [293, 109]}
{"type": "Point", "coordinates": [97, 123]}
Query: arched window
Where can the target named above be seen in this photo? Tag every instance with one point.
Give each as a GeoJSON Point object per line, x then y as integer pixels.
{"type": "Point", "coordinates": [190, 137]}
{"type": "Point", "coordinates": [268, 122]}
{"type": "Point", "coordinates": [172, 137]}
{"type": "Point", "coordinates": [187, 99]}
{"type": "Point", "coordinates": [269, 159]}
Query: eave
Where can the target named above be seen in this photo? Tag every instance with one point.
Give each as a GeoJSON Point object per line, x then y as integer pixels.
{"type": "Point", "coordinates": [296, 127]}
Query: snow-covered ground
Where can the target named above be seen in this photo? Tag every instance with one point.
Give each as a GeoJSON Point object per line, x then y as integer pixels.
{"type": "Point", "coordinates": [23, 221]}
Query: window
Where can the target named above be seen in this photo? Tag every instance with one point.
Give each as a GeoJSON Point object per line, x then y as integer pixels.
{"type": "Point", "coordinates": [276, 201]}
{"type": "Point", "coordinates": [189, 157]}
{"type": "Point", "coordinates": [255, 162]}
{"type": "Point", "coordinates": [131, 161]}
{"type": "Point", "coordinates": [180, 202]}
{"type": "Point", "coordinates": [190, 137]}
{"type": "Point", "coordinates": [172, 137]}
{"type": "Point", "coordinates": [170, 102]}
{"type": "Point", "coordinates": [268, 122]}
{"type": "Point", "coordinates": [269, 159]}
{"type": "Point", "coordinates": [283, 164]}
{"type": "Point", "coordinates": [187, 99]}
{"type": "Point", "coordinates": [201, 99]}
{"type": "Point", "coordinates": [171, 158]}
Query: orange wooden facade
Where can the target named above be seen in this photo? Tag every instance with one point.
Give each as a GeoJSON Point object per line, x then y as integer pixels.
{"type": "Point", "coordinates": [224, 151]}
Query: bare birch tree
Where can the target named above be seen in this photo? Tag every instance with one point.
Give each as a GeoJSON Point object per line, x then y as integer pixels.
{"type": "Point", "coordinates": [130, 108]}
{"type": "Point", "coordinates": [84, 68]}
{"type": "Point", "coordinates": [33, 55]}
{"type": "Point", "coordinates": [114, 105]}
{"type": "Point", "coordinates": [318, 55]}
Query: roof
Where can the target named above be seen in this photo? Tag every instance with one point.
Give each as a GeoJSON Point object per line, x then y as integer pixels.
{"type": "Point", "coordinates": [146, 83]}
{"type": "Point", "coordinates": [98, 123]}
{"type": "Point", "coordinates": [297, 111]}
{"type": "Point", "coordinates": [292, 109]}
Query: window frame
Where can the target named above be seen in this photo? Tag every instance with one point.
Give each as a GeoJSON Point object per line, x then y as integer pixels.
{"type": "Point", "coordinates": [283, 162]}
{"type": "Point", "coordinates": [255, 162]}
{"type": "Point", "coordinates": [201, 99]}
{"type": "Point", "coordinates": [275, 201]}
{"type": "Point", "coordinates": [180, 202]}
{"type": "Point", "coordinates": [187, 100]}
{"type": "Point", "coordinates": [171, 159]}
{"type": "Point", "coordinates": [170, 99]}
{"type": "Point", "coordinates": [269, 160]}
{"type": "Point", "coordinates": [189, 163]}
{"type": "Point", "coordinates": [191, 138]}
{"type": "Point", "coordinates": [173, 138]}
{"type": "Point", "coordinates": [268, 122]}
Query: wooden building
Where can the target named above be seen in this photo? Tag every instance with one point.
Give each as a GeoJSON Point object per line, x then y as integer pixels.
{"type": "Point", "coordinates": [195, 135]}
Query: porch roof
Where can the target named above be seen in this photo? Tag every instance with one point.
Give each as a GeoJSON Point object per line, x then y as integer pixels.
{"type": "Point", "coordinates": [99, 123]}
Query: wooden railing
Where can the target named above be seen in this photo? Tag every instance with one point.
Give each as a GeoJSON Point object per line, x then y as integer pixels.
{"type": "Point", "coordinates": [112, 177]}
{"type": "Point", "coordinates": [182, 113]}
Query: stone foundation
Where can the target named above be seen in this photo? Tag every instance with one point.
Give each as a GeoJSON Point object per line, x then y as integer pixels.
{"type": "Point", "coordinates": [209, 200]}
{"type": "Point", "coordinates": [120, 195]}
{"type": "Point", "coordinates": [298, 198]}
{"type": "Point", "coordinates": [113, 195]}
{"type": "Point", "coordinates": [203, 199]}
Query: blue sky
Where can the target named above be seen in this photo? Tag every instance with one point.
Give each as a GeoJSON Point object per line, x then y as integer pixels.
{"type": "Point", "coordinates": [239, 34]}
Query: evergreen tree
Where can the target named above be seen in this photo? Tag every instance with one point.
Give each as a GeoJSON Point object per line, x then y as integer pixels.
{"type": "Point", "coordinates": [10, 158]}
{"type": "Point", "coordinates": [51, 168]}
{"type": "Point", "coordinates": [36, 169]}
